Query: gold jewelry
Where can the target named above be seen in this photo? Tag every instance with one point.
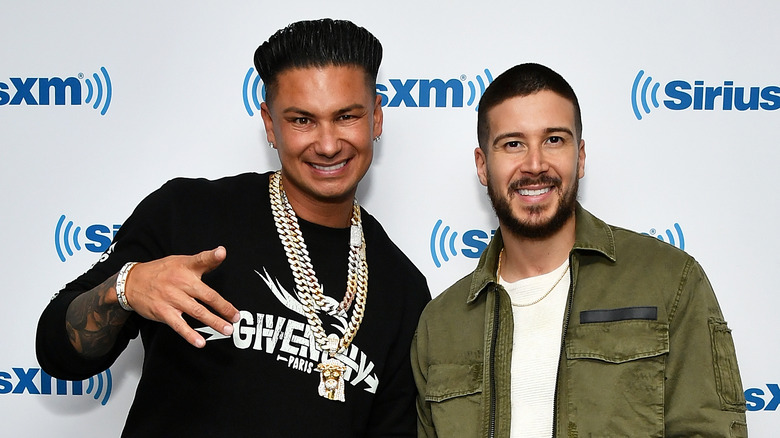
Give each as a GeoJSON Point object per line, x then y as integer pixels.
{"type": "Point", "coordinates": [498, 277]}
{"type": "Point", "coordinates": [309, 288]}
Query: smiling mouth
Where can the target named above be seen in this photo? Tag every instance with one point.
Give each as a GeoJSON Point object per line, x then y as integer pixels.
{"type": "Point", "coordinates": [330, 168]}
{"type": "Point", "coordinates": [537, 192]}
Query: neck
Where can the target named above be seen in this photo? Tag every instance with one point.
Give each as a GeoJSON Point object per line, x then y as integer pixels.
{"type": "Point", "coordinates": [525, 258]}
{"type": "Point", "coordinates": [333, 213]}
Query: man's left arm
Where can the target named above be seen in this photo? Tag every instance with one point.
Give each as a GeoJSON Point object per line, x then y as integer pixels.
{"type": "Point", "coordinates": [393, 412]}
{"type": "Point", "coordinates": [703, 388]}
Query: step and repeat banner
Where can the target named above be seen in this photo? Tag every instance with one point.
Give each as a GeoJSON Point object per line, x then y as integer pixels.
{"type": "Point", "coordinates": [103, 102]}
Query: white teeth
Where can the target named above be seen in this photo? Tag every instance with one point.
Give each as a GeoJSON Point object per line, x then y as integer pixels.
{"type": "Point", "coordinates": [329, 168]}
{"type": "Point", "coordinates": [527, 192]}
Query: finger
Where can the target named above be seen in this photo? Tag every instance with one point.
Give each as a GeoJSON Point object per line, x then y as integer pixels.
{"type": "Point", "coordinates": [206, 261]}
{"type": "Point", "coordinates": [204, 315]}
{"type": "Point", "coordinates": [215, 301]}
{"type": "Point", "coordinates": [177, 323]}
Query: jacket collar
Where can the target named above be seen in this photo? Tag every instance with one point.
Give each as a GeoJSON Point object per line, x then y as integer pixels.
{"type": "Point", "coordinates": [591, 235]}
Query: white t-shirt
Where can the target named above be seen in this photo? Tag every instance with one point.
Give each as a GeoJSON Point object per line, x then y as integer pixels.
{"type": "Point", "coordinates": [536, 349]}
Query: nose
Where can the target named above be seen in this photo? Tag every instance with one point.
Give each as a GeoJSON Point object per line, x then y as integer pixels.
{"type": "Point", "coordinates": [328, 143]}
{"type": "Point", "coordinates": [535, 161]}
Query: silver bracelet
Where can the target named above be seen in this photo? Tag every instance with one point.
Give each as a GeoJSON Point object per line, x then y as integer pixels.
{"type": "Point", "coordinates": [121, 280]}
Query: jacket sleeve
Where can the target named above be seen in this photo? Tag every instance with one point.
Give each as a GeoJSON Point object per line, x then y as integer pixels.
{"type": "Point", "coordinates": [425, 428]}
{"type": "Point", "coordinates": [704, 395]}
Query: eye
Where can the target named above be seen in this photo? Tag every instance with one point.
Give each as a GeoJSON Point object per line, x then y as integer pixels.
{"type": "Point", "coordinates": [555, 139]}
{"type": "Point", "coordinates": [514, 146]}
{"type": "Point", "coordinates": [347, 118]}
{"type": "Point", "coordinates": [301, 121]}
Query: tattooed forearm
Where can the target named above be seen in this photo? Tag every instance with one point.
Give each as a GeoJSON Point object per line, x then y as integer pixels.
{"type": "Point", "coordinates": [92, 323]}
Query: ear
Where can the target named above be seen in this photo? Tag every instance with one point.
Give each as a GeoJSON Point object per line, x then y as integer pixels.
{"type": "Point", "coordinates": [481, 161]}
{"type": "Point", "coordinates": [265, 113]}
{"type": "Point", "coordinates": [581, 160]}
{"type": "Point", "coordinates": [378, 116]}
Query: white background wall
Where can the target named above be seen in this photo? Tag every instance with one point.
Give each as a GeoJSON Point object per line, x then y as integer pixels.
{"type": "Point", "coordinates": [177, 70]}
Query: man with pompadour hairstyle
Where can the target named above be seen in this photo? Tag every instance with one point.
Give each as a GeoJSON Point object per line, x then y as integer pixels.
{"type": "Point", "coordinates": [568, 327]}
{"type": "Point", "coordinates": [275, 326]}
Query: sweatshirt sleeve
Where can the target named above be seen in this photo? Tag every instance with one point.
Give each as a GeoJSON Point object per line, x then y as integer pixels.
{"type": "Point", "coordinates": [142, 237]}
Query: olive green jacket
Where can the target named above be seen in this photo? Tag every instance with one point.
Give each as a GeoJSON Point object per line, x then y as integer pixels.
{"type": "Point", "coordinates": [645, 351]}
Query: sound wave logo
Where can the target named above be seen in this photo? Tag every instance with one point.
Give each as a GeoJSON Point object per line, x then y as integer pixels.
{"type": "Point", "coordinates": [641, 95]}
{"type": "Point", "coordinates": [100, 92]}
{"type": "Point", "coordinates": [252, 91]}
{"type": "Point", "coordinates": [411, 93]}
{"type": "Point", "coordinates": [35, 381]}
{"type": "Point", "coordinates": [64, 237]}
{"type": "Point", "coordinates": [440, 241]}
{"type": "Point", "coordinates": [101, 386]}
{"type": "Point", "coordinates": [58, 91]}
{"type": "Point", "coordinates": [68, 237]}
{"type": "Point", "coordinates": [669, 236]}
{"type": "Point", "coordinates": [483, 83]}
{"type": "Point", "coordinates": [446, 243]}
{"type": "Point", "coordinates": [436, 92]}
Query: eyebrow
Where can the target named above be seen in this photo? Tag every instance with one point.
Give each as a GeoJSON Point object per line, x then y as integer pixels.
{"type": "Point", "coordinates": [296, 110]}
{"type": "Point", "coordinates": [551, 130]}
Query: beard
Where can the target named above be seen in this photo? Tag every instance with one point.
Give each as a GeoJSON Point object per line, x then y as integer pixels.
{"type": "Point", "coordinates": [533, 229]}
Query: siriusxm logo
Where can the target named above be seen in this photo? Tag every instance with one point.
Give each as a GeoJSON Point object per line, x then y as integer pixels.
{"type": "Point", "coordinates": [411, 93]}
{"type": "Point", "coordinates": [445, 244]}
{"type": "Point", "coordinates": [682, 95]}
{"type": "Point", "coordinates": [68, 237]}
{"type": "Point", "coordinates": [414, 93]}
{"type": "Point", "coordinates": [760, 400]}
{"type": "Point", "coordinates": [669, 236]}
{"type": "Point", "coordinates": [35, 381]}
{"type": "Point", "coordinates": [68, 91]}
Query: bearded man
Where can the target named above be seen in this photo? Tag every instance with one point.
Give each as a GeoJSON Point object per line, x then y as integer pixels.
{"type": "Point", "coordinates": [568, 326]}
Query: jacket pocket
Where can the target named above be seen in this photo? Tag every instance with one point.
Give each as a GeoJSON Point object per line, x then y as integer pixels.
{"type": "Point", "coordinates": [615, 377]}
{"type": "Point", "coordinates": [727, 380]}
{"type": "Point", "coordinates": [617, 341]}
{"type": "Point", "coordinates": [454, 392]}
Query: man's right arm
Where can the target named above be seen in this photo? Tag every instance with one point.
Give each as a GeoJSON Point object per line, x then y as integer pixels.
{"type": "Point", "coordinates": [160, 290]}
{"type": "Point", "coordinates": [94, 319]}
{"type": "Point", "coordinates": [425, 428]}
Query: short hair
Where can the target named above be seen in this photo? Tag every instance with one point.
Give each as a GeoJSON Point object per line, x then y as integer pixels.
{"type": "Point", "coordinates": [318, 43]}
{"type": "Point", "coordinates": [523, 80]}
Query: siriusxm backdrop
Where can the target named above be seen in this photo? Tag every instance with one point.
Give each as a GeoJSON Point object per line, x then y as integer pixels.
{"type": "Point", "coordinates": [102, 102]}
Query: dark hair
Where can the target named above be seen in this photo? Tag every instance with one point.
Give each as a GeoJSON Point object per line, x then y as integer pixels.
{"type": "Point", "coordinates": [318, 43]}
{"type": "Point", "coordinates": [523, 80]}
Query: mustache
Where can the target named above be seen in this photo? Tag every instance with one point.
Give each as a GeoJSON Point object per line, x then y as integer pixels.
{"type": "Point", "coordinates": [540, 180]}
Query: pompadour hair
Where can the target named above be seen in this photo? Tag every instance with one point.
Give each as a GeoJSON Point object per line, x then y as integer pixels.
{"type": "Point", "coordinates": [318, 43]}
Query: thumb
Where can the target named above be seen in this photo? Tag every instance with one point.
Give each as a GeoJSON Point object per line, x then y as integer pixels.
{"type": "Point", "coordinates": [206, 261]}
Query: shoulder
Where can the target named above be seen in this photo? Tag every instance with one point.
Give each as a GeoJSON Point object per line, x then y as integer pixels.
{"type": "Point", "coordinates": [207, 186]}
{"type": "Point", "coordinates": [200, 193]}
{"type": "Point", "coordinates": [647, 249]}
{"type": "Point", "coordinates": [450, 302]}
